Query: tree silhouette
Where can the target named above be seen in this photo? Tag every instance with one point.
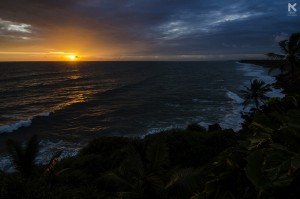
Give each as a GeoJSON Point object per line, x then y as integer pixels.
{"type": "Point", "coordinates": [24, 157]}
{"type": "Point", "coordinates": [290, 51]}
{"type": "Point", "coordinates": [256, 93]}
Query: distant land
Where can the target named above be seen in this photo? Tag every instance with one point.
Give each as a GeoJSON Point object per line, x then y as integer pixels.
{"type": "Point", "coordinates": [262, 62]}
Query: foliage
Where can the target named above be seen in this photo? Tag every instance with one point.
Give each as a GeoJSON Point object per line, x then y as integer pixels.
{"type": "Point", "coordinates": [24, 157]}
{"type": "Point", "coordinates": [163, 165]}
{"type": "Point", "coordinates": [290, 53]}
{"type": "Point", "coordinates": [261, 161]}
{"type": "Point", "coordinates": [256, 93]}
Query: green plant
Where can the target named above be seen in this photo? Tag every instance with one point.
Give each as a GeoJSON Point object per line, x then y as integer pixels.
{"type": "Point", "coordinates": [291, 51]}
{"type": "Point", "coordinates": [24, 157]}
{"type": "Point", "coordinates": [256, 93]}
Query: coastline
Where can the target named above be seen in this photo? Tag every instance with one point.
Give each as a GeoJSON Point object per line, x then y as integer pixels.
{"type": "Point", "coordinates": [226, 157]}
{"type": "Point", "coordinates": [226, 122]}
{"type": "Point", "coordinates": [262, 62]}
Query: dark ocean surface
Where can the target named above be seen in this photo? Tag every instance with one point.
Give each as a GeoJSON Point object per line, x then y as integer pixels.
{"type": "Point", "coordinates": [68, 103]}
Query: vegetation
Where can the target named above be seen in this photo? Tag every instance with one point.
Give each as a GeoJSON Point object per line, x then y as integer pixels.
{"type": "Point", "coordinates": [23, 158]}
{"type": "Point", "coordinates": [256, 93]}
{"type": "Point", "coordinates": [164, 165]}
{"type": "Point", "coordinates": [261, 161]}
{"type": "Point", "coordinates": [290, 52]}
{"type": "Point", "coordinates": [289, 64]}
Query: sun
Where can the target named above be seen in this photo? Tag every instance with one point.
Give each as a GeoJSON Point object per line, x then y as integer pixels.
{"type": "Point", "coordinates": [73, 57]}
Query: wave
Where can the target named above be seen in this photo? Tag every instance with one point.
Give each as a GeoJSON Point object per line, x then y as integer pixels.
{"type": "Point", "coordinates": [24, 123]}
{"type": "Point", "coordinates": [233, 118]}
{"type": "Point", "coordinates": [48, 149]}
{"type": "Point", "coordinates": [235, 97]}
{"type": "Point", "coordinates": [26, 76]}
{"type": "Point", "coordinates": [155, 130]}
{"type": "Point", "coordinates": [259, 72]}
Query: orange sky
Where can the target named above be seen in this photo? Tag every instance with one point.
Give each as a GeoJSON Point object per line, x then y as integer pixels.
{"type": "Point", "coordinates": [38, 46]}
{"type": "Point", "coordinates": [52, 30]}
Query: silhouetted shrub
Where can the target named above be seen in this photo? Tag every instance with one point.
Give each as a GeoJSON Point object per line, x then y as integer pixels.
{"type": "Point", "coordinates": [195, 127]}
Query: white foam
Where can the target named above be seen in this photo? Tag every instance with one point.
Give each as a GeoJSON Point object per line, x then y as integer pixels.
{"type": "Point", "coordinates": [6, 164]}
{"type": "Point", "coordinates": [12, 127]}
{"type": "Point", "coordinates": [233, 119]}
{"type": "Point", "coordinates": [154, 130]}
{"type": "Point", "coordinates": [44, 114]}
{"type": "Point", "coordinates": [276, 93]}
{"type": "Point", "coordinates": [235, 97]}
{"type": "Point", "coordinates": [47, 150]}
{"type": "Point", "coordinates": [24, 123]}
{"type": "Point", "coordinates": [258, 72]}
{"type": "Point", "coordinates": [204, 124]}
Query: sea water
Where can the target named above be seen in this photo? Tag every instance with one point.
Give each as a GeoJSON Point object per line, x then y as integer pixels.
{"type": "Point", "coordinates": [68, 103]}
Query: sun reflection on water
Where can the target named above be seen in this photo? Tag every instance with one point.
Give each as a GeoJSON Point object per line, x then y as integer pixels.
{"type": "Point", "coordinates": [74, 77]}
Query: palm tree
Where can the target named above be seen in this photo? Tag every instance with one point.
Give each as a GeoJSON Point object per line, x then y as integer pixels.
{"type": "Point", "coordinates": [256, 93]}
{"type": "Point", "coordinates": [291, 51]}
{"type": "Point", "coordinates": [24, 157]}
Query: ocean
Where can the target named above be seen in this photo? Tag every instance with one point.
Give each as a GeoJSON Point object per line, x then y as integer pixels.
{"type": "Point", "coordinates": [69, 103]}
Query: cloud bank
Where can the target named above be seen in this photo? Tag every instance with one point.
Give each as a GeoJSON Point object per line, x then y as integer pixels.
{"type": "Point", "coordinates": [146, 29]}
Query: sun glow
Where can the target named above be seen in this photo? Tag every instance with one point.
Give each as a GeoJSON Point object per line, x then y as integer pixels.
{"type": "Point", "coordinates": [73, 57]}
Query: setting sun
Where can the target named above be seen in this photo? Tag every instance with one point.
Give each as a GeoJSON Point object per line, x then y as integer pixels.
{"type": "Point", "coordinates": [73, 57]}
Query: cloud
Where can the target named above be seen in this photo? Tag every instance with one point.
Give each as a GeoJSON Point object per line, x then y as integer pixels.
{"type": "Point", "coordinates": [13, 31]}
{"type": "Point", "coordinates": [281, 36]}
{"type": "Point", "coordinates": [148, 27]}
{"type": "Point", "coordinates": [14, 27]}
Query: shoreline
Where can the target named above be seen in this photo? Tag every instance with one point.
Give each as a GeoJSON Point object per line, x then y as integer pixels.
{"type": "Point", "coordinates": [224, 123]}
{"type": "Point", "coordinates": [261, 62]}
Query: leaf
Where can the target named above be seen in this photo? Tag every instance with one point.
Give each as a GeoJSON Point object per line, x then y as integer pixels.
{"type": "Point", "coordinates": [112, 180]}
{"type": "Point", "coordinates": [52, 163]}
{"type": "Point", "coordinates": [211, 187]}
{"type": "Point", "coordinates": [132, 166]}
{"type": "Point", "coordinates": [157, 155]}
{"type": "Point", "coordinates": [256, 127]}
{"type": "Point", "coordinates": [295, 164]}
{"type": "Point", "coordinates": [184, 181]}
{"type": "Point", "coordinates": [201, 195]}
{"type": "Point", "coordinates": [283, 46]}
{"type": "Point", "coordinates": [254, 169]}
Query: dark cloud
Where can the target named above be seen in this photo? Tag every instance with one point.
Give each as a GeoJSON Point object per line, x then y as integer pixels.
{"type": "Point", "coordinates": [155, 27]}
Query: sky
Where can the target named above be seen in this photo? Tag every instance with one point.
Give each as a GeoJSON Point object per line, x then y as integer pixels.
{"type": "Point", "coordinates": [95, 30]}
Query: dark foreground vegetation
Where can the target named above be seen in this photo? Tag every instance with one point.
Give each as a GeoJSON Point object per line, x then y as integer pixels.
{"type": "Point", "coordinates": [260, 161]}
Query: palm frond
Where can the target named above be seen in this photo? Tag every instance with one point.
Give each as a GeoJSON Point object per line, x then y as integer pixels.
{"type": "Point", "coordinates": [52, 163]}
{"type": "Point", "coordinates": [293, 42]}
{"type": "Point", "coordinates": [283, 46]}
{"type": "Point", "coordinates": [153, 184]}
{"type": "Point", "coordinates": [282, 66]}
{"type": "Point", "coordinates": [32, 149]}
{"type": "Point", "coordinates": [132, 165]}
{"type": "Point", "coordinates": [157, 155]}
{"type": "Point", "coordinates": [183, 182]}
{"type": "Point", "coordinates": [114, 181]}
{"type": "Point", "coordinates": [24, 158]}
{"type": "Point", "coordinates": [255, 93]}
{"type": "Point", "coordinates": [17, 154]}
